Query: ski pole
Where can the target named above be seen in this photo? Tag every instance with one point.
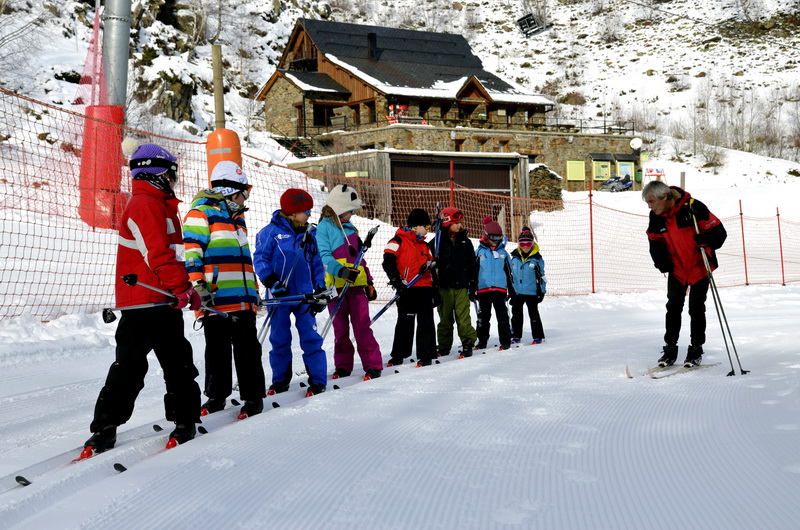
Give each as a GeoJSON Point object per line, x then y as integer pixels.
{"type": "Point", "coordinates": [262, 333]}
{"type": "Point", "coordinates": [133, 280]}
{"type": "Point", "coordinates": [394, 299]}
{"type": "Point", "coordinates": [359, 259]}
{"type": "Point", "coordinates": [723, 320]}
{"type": "Point", "coordinates": [109, 316]}
{"type": "Point", "coordinates": [310, 298]}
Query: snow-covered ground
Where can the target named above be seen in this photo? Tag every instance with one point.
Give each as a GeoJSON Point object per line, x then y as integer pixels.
{"type": "Point", "coordinates": [548, 436]}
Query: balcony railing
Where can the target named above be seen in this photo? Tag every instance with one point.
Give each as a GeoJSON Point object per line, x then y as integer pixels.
{"type": "Point", "coordinates": [556, 125]}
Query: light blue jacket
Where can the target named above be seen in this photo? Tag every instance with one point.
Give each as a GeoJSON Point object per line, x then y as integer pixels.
{"type": "Point", "coordinates": [528, 272]}
{"type": "Point", "coordinates": [494, 272]}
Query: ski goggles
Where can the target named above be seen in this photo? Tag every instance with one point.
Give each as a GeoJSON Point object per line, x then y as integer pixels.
{"type": "Point", "coordinates": [495, 238]}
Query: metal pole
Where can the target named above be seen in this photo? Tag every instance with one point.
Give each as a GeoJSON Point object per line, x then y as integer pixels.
{"type": "Point", "coordinates": [219, 99]}
{"type": "Point", "coordinates": [116, 37]}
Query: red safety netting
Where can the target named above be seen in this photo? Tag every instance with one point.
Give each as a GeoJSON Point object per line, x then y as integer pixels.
{"type": "Point", "coordinates": [54, 262]}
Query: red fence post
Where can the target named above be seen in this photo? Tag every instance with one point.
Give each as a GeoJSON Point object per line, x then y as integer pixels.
{"type": "Point", "coordinates": [744, 248]}
{"type": "Point", "coordinates": [780, 244]}
{"type": "Point", "coordinates": [591, 237]}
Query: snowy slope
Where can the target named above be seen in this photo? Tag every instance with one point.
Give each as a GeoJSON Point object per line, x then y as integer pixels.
{"type": "Point", "coordinates": [549, 436]}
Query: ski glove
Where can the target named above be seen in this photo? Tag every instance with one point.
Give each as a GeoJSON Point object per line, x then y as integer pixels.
{"type": "Point", "coordinates": [437, 298]}
{"type": "Point", "coordinates": [539, 298]}
{"type": "Point", "coordinates": [201, 286]}
{"type": "Point", "coordinates": [349, 274]}
{"type": "Point", "coordinates": [398, 285]}
{"type": "Point", "coordinates": [321, 303]}
{"type": "Point", "coordinates": [188, 298]}
{"type": "Point", "coordinates": [278, 290]}
{"type": "Point", "coordinates": [372, 294]}
{"type": "Point", "coordinates": [702, 240]}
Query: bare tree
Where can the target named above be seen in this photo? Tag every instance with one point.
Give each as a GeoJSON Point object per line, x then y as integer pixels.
{"type": "Point", "coordinates": [20, 33]}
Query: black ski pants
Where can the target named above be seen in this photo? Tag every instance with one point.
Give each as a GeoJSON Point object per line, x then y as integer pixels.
{"type": "Point", "coordinates": [235, 335]}
{"type": "Point", "coordinates": [415, 304]}
{"type": "Point", "coordinates": [486, 301]}
{"type": "Point", "coordinates": [157, 329]}
{"type": "Point", "coordinates": [531, 301]}
{"type": "Point", "coordinates": [676, 296]}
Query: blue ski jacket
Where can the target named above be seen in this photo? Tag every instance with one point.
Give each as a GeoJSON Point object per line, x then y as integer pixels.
{"type": "Point", "coordinates": [528, 272]}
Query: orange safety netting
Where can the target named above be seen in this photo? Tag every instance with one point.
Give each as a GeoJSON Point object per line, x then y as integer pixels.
{"type": "Point", "coordinates": [53, 263]}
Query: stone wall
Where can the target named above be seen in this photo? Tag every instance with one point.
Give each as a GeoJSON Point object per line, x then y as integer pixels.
{"type": "Point", "coordinates": [279, 107]}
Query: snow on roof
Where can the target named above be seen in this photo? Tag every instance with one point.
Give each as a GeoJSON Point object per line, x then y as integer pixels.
{"type": "Point", "coordinates": [441, 89]}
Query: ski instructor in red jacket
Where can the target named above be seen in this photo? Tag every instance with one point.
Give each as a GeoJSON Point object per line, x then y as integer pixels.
{"type": "Point", "coordinates": [150, 246]}
{"type": "Point", "coordinates": [680, 229]}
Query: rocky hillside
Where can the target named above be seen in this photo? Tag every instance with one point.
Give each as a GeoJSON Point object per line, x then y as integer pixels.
{"type": "Point", "coordinates": [690, 74]}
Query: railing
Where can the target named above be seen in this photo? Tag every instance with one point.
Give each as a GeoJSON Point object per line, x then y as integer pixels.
{"type": "Point", "coordinates": [557, 125]}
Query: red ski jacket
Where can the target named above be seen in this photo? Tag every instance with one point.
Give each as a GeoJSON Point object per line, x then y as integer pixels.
{"type": "Point", "coordinates": [151, 246]}
{"type": "Point", "coordinates": [410, 253]}
{"type": "Point", "coordinates": [672, 244]}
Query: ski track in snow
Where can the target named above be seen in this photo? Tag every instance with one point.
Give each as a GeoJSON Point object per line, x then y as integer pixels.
{"type": "Point", "coordinates": [548, 436]}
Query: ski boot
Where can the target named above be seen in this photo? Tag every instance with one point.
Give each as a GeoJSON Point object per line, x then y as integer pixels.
{"type": "Point", "coordinates": [394, 362]}
{"type": "Point", "coordinates": [442, 352]}
{"type": "Point", "coordinates": [314, 389]}
{"type": "Point", "coordinates": [516, 340]}
{"type": "Point", "coordinates": [183, 433]}
{"type": "Point", "coordinates": [694, 356]}
{"type": "Point", "coordinates": [340, 372]}
{"type": "Point", "coordinates": [372, 373]}
{"type": "Point", "coordinates": [101, 441]}
{"type": "Point", "coordinates": [251, 408]}
{"type": "Point", "coordinates": [534, 342]}
{"type": "Point", "coordinates": [212, 405]}
{"type": "Point", "coordinates": [670, 355]}
{"type": "Point", "coordinates": [277, 388]}
{"type": "Point", "coordinates": [466, 349]}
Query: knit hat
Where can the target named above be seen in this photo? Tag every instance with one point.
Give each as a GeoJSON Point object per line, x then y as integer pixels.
{"type": "Point", "coordinates": [152, 163]}
{"type": "Point", "coordinates": [295, 200]}
{"type": "Point", "coordinates": [492, 230]}
{"type": "Point", "coordinates": [229, 179]}
{"type": "Point", "coordinates": [526, 236]}
{"type": "Point", "coordinates": [344, 198]}
{"type": "Point", "coordinates": [418, 217]}
{"type": "Point", "coordinates": [451, 216]}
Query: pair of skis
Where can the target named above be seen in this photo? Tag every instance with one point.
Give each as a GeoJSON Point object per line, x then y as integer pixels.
{"type": "Point", "coordinates": [660, 372]}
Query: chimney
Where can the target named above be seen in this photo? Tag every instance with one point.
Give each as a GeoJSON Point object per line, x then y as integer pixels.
{"type": "Point", "coordinates": [372, 46]}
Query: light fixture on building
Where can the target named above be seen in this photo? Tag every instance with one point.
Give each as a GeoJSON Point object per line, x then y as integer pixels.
{"type": "Point", "coordinates": [636, 143]}
{"type": "Point", "coordinates": [571, 138]}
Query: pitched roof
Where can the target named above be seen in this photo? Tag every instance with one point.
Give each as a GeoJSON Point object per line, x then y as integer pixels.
{"type": "Point", "coordinates": [314, 82]}
{"type": "Point", "coordinates": [409, 63]}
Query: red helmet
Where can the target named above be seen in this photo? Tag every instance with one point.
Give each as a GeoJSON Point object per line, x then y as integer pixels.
{"type": "Point", "coordinates": [451, 216]}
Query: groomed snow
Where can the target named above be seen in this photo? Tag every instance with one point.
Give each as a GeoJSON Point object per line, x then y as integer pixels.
{"type": "Point", "coordinates": [548, 436]}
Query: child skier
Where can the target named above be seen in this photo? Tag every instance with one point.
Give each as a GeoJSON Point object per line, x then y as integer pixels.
{"type": "Point", "coordinates": [455, 269]}
{"type": "Point", "coordinates": [221, 269]}
{"type": "Point", "coordinates": [403, 258]}
{"type": "Point", "coordinates": [530, 285]}
{"type": "Point", "coordinates": [494, 284]}
{"type": "Point", "coordinates": [288, 263]}
{"type": "Point", "coordinates": [148, 236]}
{"type": "Point", "coordinates": [339, 244]}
